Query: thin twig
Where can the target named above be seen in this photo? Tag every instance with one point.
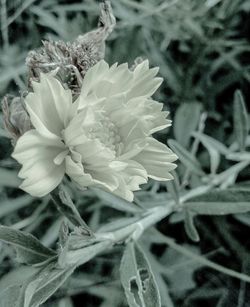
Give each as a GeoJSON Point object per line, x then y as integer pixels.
{"type": "Point", "coordinates": [4, 26]}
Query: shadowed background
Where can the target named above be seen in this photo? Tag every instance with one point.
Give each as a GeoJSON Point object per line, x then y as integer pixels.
{"type": "Point", "coordinates": [202, 49]}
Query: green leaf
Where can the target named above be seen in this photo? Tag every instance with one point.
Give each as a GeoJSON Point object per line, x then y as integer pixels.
{"type": "Point", "coordinates": [10, 205]}
{"type": "Point", "coordinates": [65, 302]}
{"type": "Point", "coordinates": [240, 117]}
{"type": "Point", "coordinates": [116, 202]}
{"type": "Point", "coordinates": [65, 205]}
{"type": "Point", "coordinates": [10, 296]}
{"type": "Point", "coordinates": [214, 148]}
{"type": "Point", "coordinates": [186, 158]}
{"type": "Point", "coordinates": [220, 202]}
{"type": "Point", "coordinates": [180, 270]}
{"type": "Point", "coordinates": [137, 278]}
{"type": "Point", "coordinates": [29, 249]}
{"type": "Point", "coordinates": [45, 284]}
{"type": "Point", "coordinates": [173, 187]}
{"type": "Point", "coordinates": [186, 121]}
{"type": "Point", "coordinates": [9, 178]}
{"type": "Point", "coordinates": [200, 259]}
{"type": "Point", "coordinates": [190, 227]}
{"type": "Point", "coordinates": [210, 142]}
{"type": "Point", "coordinates": [230, 174]}
{"type": "Point", "coordinates": [17, 276]}
{"type": "Point", "coordinates": [3, 133]}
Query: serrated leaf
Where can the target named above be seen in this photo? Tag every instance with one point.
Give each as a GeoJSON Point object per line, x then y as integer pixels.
{"type": "Point", "coordinates": [186, 158]}
{"type": "Point", "coordinates": [29, 249]}
{"type": "Point", "coordinates": [137, 278]}
{"type": "Point", "coordinates": [190, 228]}
{"type": "Point", "coordinates": [222, 202]}
{"type": "Point", "coordinates": [240, 117]}
{"type": "Point", "coordinates": [185, 122]}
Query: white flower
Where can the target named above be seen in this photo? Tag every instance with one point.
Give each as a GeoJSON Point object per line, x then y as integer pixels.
{"type": "Point", "coordinates": [103, 139]}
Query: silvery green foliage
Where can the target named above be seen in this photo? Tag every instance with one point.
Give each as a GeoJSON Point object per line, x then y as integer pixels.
{"type": "Point", "coordinates": [77, 246]}
{"type": "Point", "coordinates": [137, 278]}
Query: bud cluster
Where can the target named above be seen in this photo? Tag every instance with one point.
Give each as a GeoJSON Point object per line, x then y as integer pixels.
{"type": "Point", "coordinates": [68, 61]}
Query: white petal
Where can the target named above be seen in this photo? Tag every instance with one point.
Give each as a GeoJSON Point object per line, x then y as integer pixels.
{"type": "Point", "coordinates": [94, 154]}
{"type": "Point", "coordinates": [36, 154]}
{"type": "Point", "coordinates": [32, 144]}
{"type": "Point", "coordinates": [75, 171]}
{"type": "Point", "coordinates": [144, 81]}
{"type": "Point", "coordinates": [123, 190]}
{"type": "Point", "coordinates": [77, 130]}
{"type": "Point", "coordinates": [93, 76]}
{"type": "Point", "coordinates": [118, 166]}
{"type": "Point", "coordinates": [40, 184]}
{"type": "Point", "coordinates": [103, 81]}
{"type": "Point", "coordinates": [135, 175]}
{"type": "Point", "coordinates": [105, 178]}
{"type": "Point", "coordinates": [157, 159]}
{"type": "Point", "coordinates": [49, 106]}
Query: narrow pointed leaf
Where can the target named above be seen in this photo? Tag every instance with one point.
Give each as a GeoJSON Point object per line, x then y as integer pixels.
{"type": "Point", "coordinates": [240, 117]}
{"type": "Point", "coordinates": [222, 202]}
{"type": "Point", "coordinates": [185, 122]}
{"type": "Point", "coordinates": [137, 278]}
{"type": "Point", "coordinates": [190, 227]}
{"type": "Point", "coordinates": [45, 284]}
{"type": "Point", "coordinates": [186, 158]}
{"type": "Point", "coordinates": [65, 205]}
{"type": "Point", "coordinates": [29, 249]}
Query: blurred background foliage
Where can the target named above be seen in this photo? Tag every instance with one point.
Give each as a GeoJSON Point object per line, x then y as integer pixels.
{"type": "Point", "coordinates": [202, 49]}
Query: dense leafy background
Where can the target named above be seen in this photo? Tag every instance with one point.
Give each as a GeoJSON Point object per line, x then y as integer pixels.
{"type": "Point", "coordinates": [202, 49]}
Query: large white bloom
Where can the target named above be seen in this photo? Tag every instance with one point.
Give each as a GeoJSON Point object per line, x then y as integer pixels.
{"type": "Point", "coordinates": [102, 139]}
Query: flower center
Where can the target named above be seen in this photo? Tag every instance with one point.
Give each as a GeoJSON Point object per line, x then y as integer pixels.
{"type": "Point", "coordinates": [107, 133]}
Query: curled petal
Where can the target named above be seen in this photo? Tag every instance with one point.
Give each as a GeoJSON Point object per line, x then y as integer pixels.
{"type": "Point", "coordinates": [75, 170]}
{"type": "Point", "coordinates": [105, 178]}
{"type": "Point", "coordinates": [36, 154]}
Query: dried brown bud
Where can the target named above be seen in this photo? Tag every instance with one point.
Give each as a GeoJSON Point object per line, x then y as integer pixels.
{"type": "Point", "coordinates": [16, 118]}
{"type": "Point", "coordinates": [70, 61]}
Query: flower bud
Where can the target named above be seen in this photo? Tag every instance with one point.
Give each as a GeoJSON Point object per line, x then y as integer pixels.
{"type": "Point", "coordinates": [16, 118]}
{"type": "Point", "coordinates": [71, 61]}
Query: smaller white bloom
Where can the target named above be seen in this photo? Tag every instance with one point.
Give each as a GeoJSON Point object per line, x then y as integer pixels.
{"type": "Point", "coordinates": [102, 139]}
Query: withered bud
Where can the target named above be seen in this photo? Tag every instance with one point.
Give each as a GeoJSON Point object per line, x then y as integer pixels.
{"type": "Point", "coordinates": [137, 61]}
{"type": "Point", "coordinates": [70, 61]}
{"type": "Point", "coordinates": [16, 118]}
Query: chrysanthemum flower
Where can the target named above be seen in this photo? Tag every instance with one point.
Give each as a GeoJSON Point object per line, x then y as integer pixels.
{"type": "Point", "coordinates": [102, 139]}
